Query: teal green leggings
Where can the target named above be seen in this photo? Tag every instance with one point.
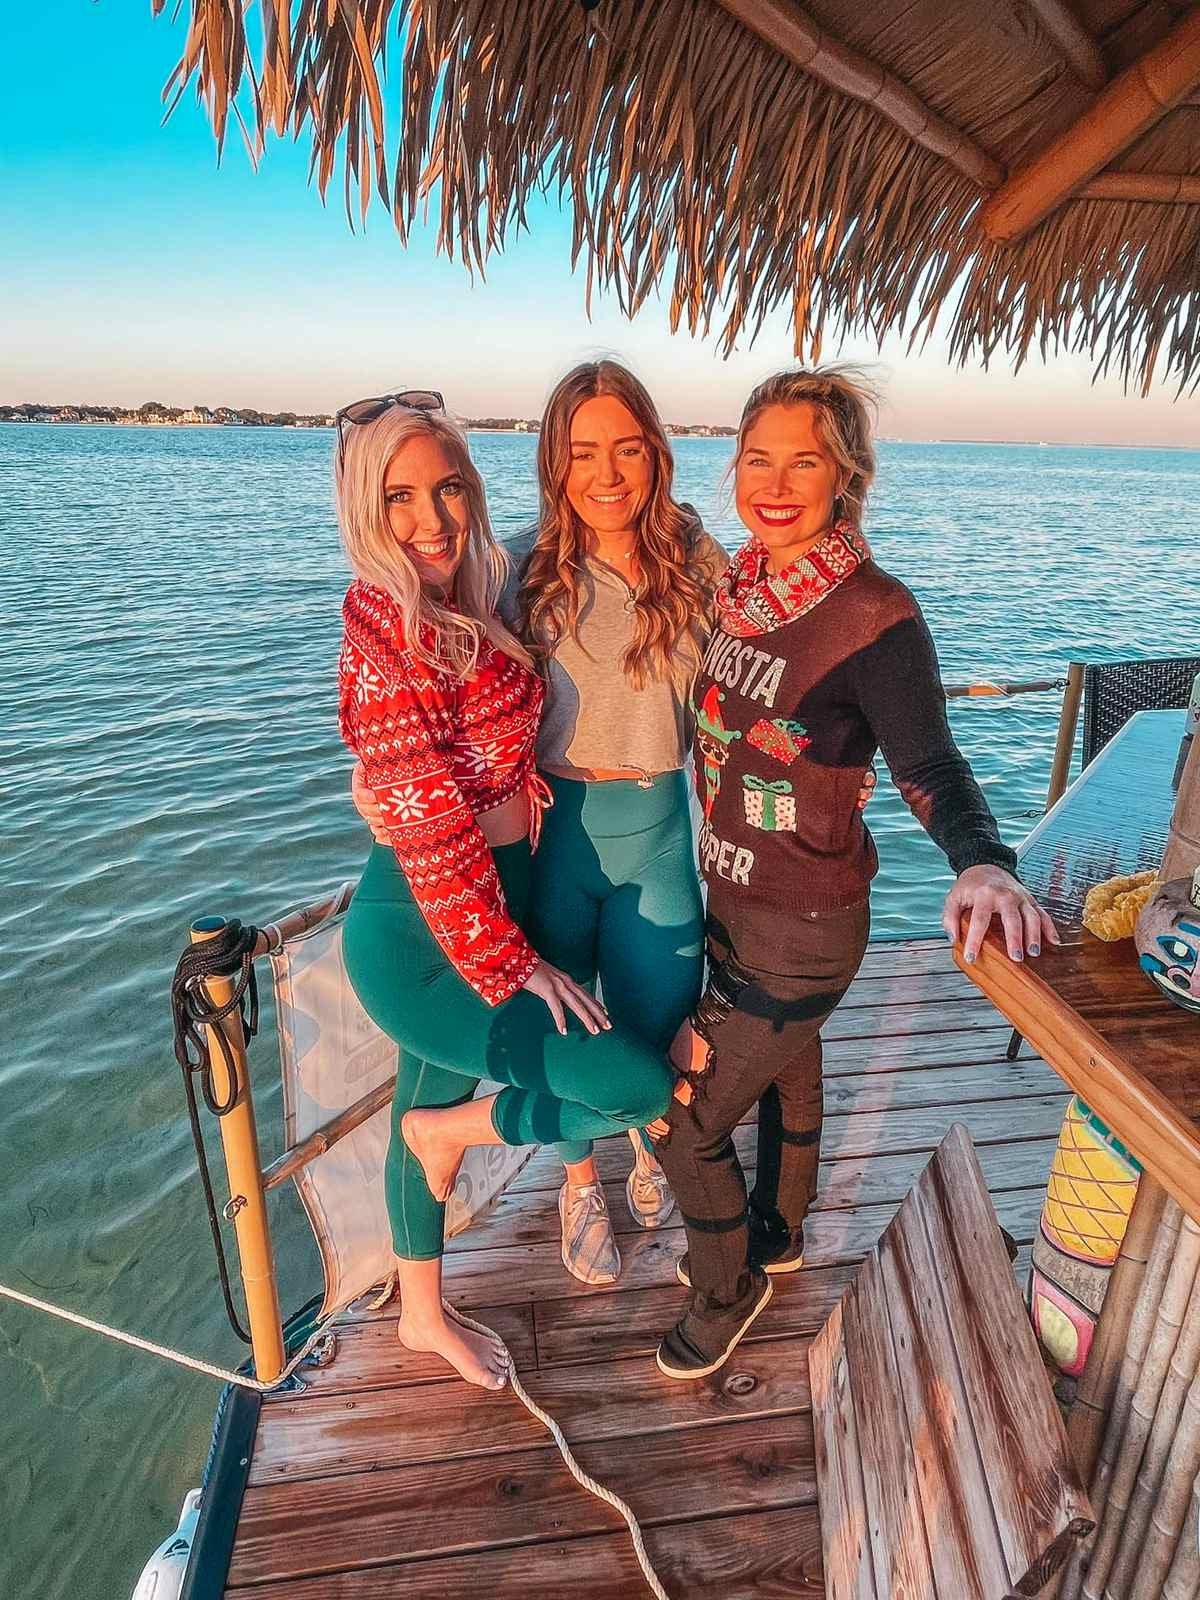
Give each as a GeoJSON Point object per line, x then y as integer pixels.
{"type": "Point", "coordinates": [559, 1086]}
{"type": "Point", "coordinates": [615, 896]}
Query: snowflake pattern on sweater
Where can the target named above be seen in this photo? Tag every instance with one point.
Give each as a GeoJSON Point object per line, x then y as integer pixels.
{"type": "Point", "coordinates": [438, 751]}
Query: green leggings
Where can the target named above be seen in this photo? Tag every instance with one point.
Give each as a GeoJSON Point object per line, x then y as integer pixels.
{"type": "Point", "coordinates": [560, 1086]}
{"type": "Point", "coordinates": [615, 896]}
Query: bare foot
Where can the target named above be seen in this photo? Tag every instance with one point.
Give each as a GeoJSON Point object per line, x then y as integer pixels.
{"type": "Point", "coordinates": [439, 1158]}
{"type": "Point", "coordinates": [478, 1357]}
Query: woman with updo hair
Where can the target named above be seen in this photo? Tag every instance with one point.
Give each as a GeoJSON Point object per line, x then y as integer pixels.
{"type": "Point", "coordinates": [818, 658]}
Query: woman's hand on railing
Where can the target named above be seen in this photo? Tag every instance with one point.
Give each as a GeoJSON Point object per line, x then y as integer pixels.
{"type": "Point", "coordinates": [988, 892]}
{"type": "Point", "coordinates": [562, 994]}
{"type": "Point", "coordinates": [367, 806]}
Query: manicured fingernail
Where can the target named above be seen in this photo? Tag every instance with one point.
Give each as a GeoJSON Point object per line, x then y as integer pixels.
{"type": "Point", "coordinates": [1035, 949]}
{"type": "Point", "coordinates": [968, 956]}
{"type": "Point", "coordinates": [1017, 955]}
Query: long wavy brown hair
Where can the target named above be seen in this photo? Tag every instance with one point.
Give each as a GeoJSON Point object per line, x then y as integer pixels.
{"type": "Point", "coordinates": [671, 596]}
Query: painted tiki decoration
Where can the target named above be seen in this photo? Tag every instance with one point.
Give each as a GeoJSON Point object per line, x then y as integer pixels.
{"type": "Point", "coordinates": [1168, 940]}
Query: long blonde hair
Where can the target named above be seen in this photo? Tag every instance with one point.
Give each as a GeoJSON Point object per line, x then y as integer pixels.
{"type": "Point", "coordinates": [445, 634]}
{"type": "Point", "coordinates": [845, 403]}
{"type": "Point", "coordinates": [670, 599]}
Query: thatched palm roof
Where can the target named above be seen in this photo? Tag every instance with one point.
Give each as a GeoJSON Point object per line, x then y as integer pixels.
{"type": "Point", "coordinates": [1031, 166]}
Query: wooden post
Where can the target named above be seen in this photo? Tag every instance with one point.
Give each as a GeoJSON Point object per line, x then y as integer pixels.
{"type": "Point", "coordinates": [1078, 48]}
{"type": "Point", "coordinates": [1183, 1580]}
{"type": "Point", "coordinates": [1102, 1577]}
{"type": "Point", "coordinates": [1154, 188]}
{"type": "Point", "coordinates": [239, 1139]}
{"type": "Point", "coordinates": [1064, 745]}
{"type": "Point", "coordinates": [1147, 1292]}
{"type": "Point", "coordinates": [1156, 1519]}
{"type": "Point", "coordinates": [789, 30]}
{"type": "Point", "coordinates": [1098, 1382]}
{"type": "Point", "coordinates": [1120, 114]}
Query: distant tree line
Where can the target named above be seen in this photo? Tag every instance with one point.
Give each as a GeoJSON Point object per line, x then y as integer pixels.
{"type": "Point", "coordinates": [230, 416]}
{"type": "Point", "coordinates": [154, 411]}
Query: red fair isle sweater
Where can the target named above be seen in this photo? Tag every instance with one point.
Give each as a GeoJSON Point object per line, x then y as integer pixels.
{"type": "Point", "coordinates": [438, 751]}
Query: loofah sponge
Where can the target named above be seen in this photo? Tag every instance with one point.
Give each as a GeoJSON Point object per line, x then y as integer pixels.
{"type": "Point", "coordinates": [1112, 907]}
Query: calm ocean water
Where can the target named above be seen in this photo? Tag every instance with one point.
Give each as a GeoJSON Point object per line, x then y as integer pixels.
{"type": "Point", "coordinates": [167, 743]}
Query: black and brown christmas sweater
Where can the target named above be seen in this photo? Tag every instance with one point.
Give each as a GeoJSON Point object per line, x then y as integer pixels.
{"type": "Point", "coordinates": [789, 719]}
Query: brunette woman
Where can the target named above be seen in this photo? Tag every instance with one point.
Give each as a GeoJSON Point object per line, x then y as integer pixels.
{"type": "Point", "coordinates": [613, 596]}
{"type": "Point", "coordinates": [441, 705]}
{"type": "Point", "coordinates": [818, 658]}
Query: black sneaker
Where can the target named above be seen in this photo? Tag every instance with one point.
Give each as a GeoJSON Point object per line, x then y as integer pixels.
{"type": "Point", "coordinates": [700, 1342]}
{"type": "Point", "coordinates": [775, 1257]}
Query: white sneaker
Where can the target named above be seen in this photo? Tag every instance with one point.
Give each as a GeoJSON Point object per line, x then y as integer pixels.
{"type": "Point", "coordinates": [589, 1251]}
{"type": "Point", "coordinates": [646, 1188]}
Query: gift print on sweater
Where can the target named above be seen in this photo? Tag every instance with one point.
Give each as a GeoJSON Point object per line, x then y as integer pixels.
{"type": "Point", "coordinates": [780, 738]}
{"type": "Point", "coordinates": [769, 805]}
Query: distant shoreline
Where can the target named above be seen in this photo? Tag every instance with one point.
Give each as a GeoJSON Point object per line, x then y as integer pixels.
{"type": "Point", "coordinates": [697, 431]}
{"type": "Point", "coordinates": [156, 415]}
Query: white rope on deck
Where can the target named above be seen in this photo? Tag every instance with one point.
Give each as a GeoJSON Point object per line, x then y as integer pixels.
{"type": "Point", "coordinates": [223, 1375]}
{"type": "Point", "coordinates": [584, 1479]}
{"type": "Point", "coordinates": [193, 1363]}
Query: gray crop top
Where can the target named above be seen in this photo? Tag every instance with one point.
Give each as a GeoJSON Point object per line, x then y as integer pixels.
{"type": "Point", "coordinates": [594, 717]}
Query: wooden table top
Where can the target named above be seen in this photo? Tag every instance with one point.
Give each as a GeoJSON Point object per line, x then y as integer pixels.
{"type": "Point", "coordinates": [1087, 1007]}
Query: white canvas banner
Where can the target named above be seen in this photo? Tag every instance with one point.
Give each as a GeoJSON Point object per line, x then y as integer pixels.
{"type": "Point", "coordinates": [331, 1055]}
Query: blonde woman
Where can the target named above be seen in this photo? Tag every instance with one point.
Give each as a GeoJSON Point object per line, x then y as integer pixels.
{"type": "Point", "coordinates": [818, 659]}
{"type": "Point", "coordinates": [613, 597]}
{"type": "Point", "coordinates": [441, 705]}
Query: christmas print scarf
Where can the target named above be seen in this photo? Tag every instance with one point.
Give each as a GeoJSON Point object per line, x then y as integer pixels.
{"type": "Point", "coordinates": [751, 600]}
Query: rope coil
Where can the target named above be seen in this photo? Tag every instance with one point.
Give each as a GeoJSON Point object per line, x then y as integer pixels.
{"type": "Point", "coordinates": [228, 951]}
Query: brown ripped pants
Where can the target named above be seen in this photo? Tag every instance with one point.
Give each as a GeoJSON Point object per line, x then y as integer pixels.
{"type": "Point", "coordinates": [763, 1029]}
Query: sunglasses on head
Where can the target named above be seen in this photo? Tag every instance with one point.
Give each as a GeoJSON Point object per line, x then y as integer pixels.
{"type": "Point", "coordinates": [369, 410]}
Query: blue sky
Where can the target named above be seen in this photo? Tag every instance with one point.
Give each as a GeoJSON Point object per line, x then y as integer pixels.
{"type": "Point", "coordinates": [134, 268]}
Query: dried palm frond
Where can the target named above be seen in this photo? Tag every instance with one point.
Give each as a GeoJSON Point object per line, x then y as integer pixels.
{"type": "Point", "coordinates": [695, 157]}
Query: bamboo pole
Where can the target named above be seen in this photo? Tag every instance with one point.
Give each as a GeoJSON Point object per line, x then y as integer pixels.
{"type": "Point", "coordinates": [1168, 1524]}
{"type": "Point", "coordinates": [1141, 1325]}
{"type": "Point", "coordinates": [985, 688]}
{"type": "Point", "coordinates": [1160, 188]}
{"type": "Point", "coordinates": [325, 1137]}
{"type": "Point", "coordinates": [1098, 1381]}
{"type": "Point", "coordinates": [1064, 745]}
{"type": "Point", "coordinates": [1076, 44]}
{"type": "Point", "coordinates": [239, 1140]}
{"type": "Point", "coordinates": [272, 937]}
{"type": "Point", "coordinates": [1129, 1566]}
{"type": "Point", "coordinates": [787, 29]}
{"type": "Point", "coordinates": [1183, 1580]}
{"type": "Point", "coordinates": [1121, 113]}
{"type": "Point", "coordinates": [1126, 1455]}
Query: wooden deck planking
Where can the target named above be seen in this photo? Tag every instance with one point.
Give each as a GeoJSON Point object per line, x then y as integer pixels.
{"type": "Point", "coordinates": [768, 1555]}
{"type": "Point", "coordinates": [752, 1464]}
{"type": "Point", "coordinates": [348, 1479]}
